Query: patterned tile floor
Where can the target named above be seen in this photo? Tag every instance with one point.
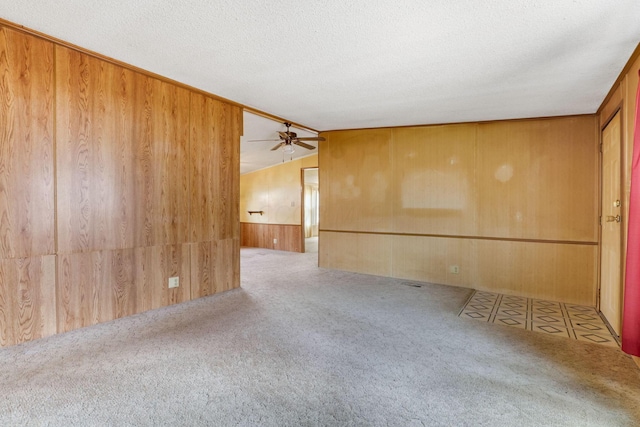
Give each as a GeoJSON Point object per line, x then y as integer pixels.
{"type": "Point", "coordinates": [549, 317]}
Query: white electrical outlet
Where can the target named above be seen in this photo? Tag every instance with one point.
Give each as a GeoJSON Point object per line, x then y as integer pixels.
{"type": "Point", "coordinates": [275, 241]}
{"type": "Point", "coordinates": [174, 282]}
{"type": "Point", "coordinates": [454, 269]}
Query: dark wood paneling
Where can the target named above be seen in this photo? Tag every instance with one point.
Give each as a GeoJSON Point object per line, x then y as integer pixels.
{"type": "Point", "coordinates": [289, 237]}
{"type": "Point", "coordinates": [215, 267]}
{"type": "Point", "coordinates": [136, 192]}
{"type": "Point", "coordinates": [26, 146]}
{"type": "Point", "coordinates": [95, 156]}
{"type": "Point", "coordinates": [98, 286]}
{"type": "Point", "coordinates": [161, 139]}
{"type": "Point", "coordinates": [158, 264]}
{"type": "Point", "coordinates": [215, 191]}
{"type": "Point", "coordinates": [27, 299]}
{"type": "Point", "coordinates": [215, 174]}
{"type": "Point", "coordinates": [122, 157]}
{"type": "Point", "coordinates": [254, 235]}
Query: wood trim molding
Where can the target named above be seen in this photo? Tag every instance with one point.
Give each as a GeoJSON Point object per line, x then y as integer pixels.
{"type": "Point", "coordinates": [26, 30]}
{"type": "Point", "coordinates": [524, 119]}
{"type": "Point", "coordinates": [451, 236]}
{"type": "Point", "coordinates": [618, 109]}
{"type": "Point", "coordinates": [627, 67]}
{"type": "Point", "coordinates": [269, 223]}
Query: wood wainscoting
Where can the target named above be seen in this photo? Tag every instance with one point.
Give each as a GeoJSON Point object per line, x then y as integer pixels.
{"type": "Point", "coordinates": [282, 237]}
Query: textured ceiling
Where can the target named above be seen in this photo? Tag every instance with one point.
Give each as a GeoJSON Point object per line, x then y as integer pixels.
{"type": "Point", "coordinates": [335, 64]}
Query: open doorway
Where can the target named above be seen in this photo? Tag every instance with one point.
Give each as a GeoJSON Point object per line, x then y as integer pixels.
{"type": "Point", "coordinates": [310, 209]}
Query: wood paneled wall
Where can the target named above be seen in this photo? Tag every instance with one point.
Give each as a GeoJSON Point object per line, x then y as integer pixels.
{"type": "Point", "coordinates": [27, 231]}
{"type": "Point", "coordinates": [277, 191]}
{"type": "Point", "coordinates": [112, 181]}
{"type": "Point", "coordinates": [513, 205]}
{"type": "Point", "coordinates": [121, 157]}
{"type": "Point", "coordinates": [286, 237]}
{"type": "Point", "coordinates": [623, 98]}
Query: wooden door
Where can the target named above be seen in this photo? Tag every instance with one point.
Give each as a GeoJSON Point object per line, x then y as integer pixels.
{"type": "Point", "coordinates": [611, 266]}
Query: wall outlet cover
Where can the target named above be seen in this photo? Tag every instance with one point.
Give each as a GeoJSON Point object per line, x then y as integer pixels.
{"type": "Point", "coordinates": [174, 282]}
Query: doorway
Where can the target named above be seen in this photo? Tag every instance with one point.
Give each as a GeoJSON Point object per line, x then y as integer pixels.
{"type": "Point", "coordinates": [611, 220]}
{"type": "Point", "coordinates": [311, 209]}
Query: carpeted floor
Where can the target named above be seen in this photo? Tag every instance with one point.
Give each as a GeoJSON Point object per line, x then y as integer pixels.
{"type": "Point", "coordinates": [303, 346]}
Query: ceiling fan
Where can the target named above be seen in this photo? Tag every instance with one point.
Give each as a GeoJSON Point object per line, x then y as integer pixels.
{"type": "Point", "coordinates": [288, 138]}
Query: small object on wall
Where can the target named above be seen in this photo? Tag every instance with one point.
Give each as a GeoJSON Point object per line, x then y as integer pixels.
{"type": "Point", "coordinates": [174, 282]}
{"type": "Point", "coordinates": [256, 212]}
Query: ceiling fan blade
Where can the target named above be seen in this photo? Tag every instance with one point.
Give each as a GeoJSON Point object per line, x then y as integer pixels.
{"type": "Point", "coordinates": [302, 144]}
{"type": "Point", "coordinates": [277, 146]}
{"type": "Point", "coordinates": [311, 138]}
{"type": "Point", "coordinates": [283, 135]}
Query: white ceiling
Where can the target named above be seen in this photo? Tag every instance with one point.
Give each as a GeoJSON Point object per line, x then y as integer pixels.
{"type": "Point", "coordinates": [336, 64]}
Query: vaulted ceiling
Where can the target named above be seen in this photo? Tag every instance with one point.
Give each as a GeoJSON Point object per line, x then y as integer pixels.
{"type": "Point", "coordinates": [336, 64]}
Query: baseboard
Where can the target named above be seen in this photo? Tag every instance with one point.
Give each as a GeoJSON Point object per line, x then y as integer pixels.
{"type": "Point", "coordinates": [637, 360]}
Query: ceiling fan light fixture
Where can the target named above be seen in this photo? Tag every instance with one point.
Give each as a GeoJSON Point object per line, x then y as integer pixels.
{"type": "Point", "coordinates": [288, 149]}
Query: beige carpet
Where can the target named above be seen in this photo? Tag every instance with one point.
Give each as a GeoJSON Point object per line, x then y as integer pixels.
{"type": "Point", "coordinates": [302, 346]}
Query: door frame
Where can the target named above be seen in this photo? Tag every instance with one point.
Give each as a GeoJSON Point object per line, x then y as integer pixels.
{"type": "Point", "coordinates": [623, 208]}
{"type": "Point", "coordinates": [302, 206]}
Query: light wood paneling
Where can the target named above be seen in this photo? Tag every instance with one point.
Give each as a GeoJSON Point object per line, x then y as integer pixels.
{"type": "Point", "coordinates": [254, 196]}
{"type": "Point", "coordinates": [356, 191]}
{"type": "Point", "coordinates": [26, 146]}
{"type": "Point", "coordinates": [277, 191]}
{"type": "Point", "coordinates": [629, 88]}
{"type": "Point", "coordinates": [309, 161]}
{"type": "Point", "coordinates": [434, 180]}
{"type": "Point", "coordinates": [98, 286]}
{"type": "Point", "coordinates": [358, 252]}
{"type": "Point", "coordinates": [215, 174]}
{"type": "Point", "coordinates": [215, 267]}
{"type": "Point", "coordinates": [27, 299]}
{"type": "Point", "coordinates": [557, 272]}
{"type": "Point", "coordinates": [460, 194]}
{"type": "Point", "coordinates": [537, 179]}
{"type": "Point", "coordinates": [614, 103]}
{"type": "Point", "coordinates": [611, 230]}
{"type": "Point", "coordinates": [285, 193]}
{"type": "Point", "coordinates": [122, 157]}
{"type": "Point", "coordinates": [430, 259]}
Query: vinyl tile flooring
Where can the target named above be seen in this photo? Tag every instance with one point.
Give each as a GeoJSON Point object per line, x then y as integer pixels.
{"type": "Point", "coordinates": [549, 317]}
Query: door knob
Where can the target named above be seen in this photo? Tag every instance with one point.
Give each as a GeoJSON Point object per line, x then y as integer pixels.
{"type": "Point", "coordinates": [616, 218]}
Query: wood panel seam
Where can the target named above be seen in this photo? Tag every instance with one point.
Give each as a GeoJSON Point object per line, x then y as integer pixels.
{"type": "Point", "coordinates": [453, 236]}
